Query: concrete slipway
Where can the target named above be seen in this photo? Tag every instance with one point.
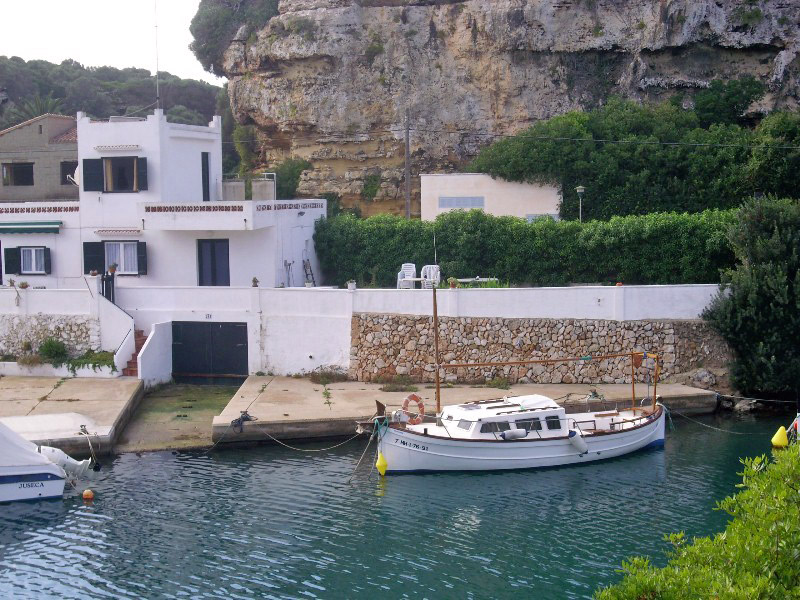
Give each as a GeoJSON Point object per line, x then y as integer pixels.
{"type": "Point", "coordinates": [295, 409]}
{"type": "Point", "coordinates": [51, 410]}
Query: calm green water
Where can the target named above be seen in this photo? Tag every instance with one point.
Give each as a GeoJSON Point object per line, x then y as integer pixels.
{"type": "Point", "coordinates": [272, 523]}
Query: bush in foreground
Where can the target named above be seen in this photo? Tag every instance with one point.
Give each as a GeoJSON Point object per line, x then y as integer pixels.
{"type": "Point", "coordinates": [757, 556]}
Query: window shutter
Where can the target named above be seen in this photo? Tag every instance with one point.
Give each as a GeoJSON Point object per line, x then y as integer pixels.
{"type": "Point", "coordinates": [48, 265]}
{"type": "Point", "coordinates": [141, 257]}
{"type": "Point", "coordinates": [13, 261]}
{"type": "Point", "coordinates": [92, 174]}
{"type": "Point", "coordinates": [141, 173]}
{"type": "Point", "coordinates": [94, 257]}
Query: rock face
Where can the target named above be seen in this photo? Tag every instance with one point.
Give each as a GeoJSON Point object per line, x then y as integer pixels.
{"type": "Point", "coordinates": [331, 80]}
{"type": "Point", "coordinates": [384, 346]}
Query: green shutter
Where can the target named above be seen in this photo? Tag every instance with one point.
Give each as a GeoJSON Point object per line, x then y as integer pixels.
{"type": "Point", "coordinates": [13, 261]}
{"type": "Point", "coordinates": [141, 173]}
{"type": "Point", "coordinates": [94, 257]}
{"type": "Point", "coordinates": [48, 265]}
{"type": "Point", "coordinates": [141, 257]}
{"type": "Point", "coordinates": [92, 174]}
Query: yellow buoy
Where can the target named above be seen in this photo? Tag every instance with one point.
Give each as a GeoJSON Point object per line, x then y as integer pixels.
{"type": "Point", "coordinates": [780, 439]}
{"type": "Point", "coordinates": [88, 495]}
{"type": "Point", "coordinates": [381, 464]}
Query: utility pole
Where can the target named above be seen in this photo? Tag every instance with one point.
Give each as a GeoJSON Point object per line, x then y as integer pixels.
{"type": "Point", "coordinates": [408, 165]}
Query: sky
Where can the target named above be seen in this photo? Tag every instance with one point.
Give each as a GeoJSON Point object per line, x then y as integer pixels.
{"type": "Point", "coordinates": [116, 33]}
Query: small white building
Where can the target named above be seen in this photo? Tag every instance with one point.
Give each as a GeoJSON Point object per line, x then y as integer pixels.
{"type": "Point", "coordinates": [445, 192]}
{"type": "Point", "coordinates": [151, 202]}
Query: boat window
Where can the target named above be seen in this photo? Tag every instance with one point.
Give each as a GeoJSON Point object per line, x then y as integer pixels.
{"type": "Point", "coordinates": [462, 424]}
{"type": "Point", "coordinates": [495, 427]}
{"type": "Point", "coordinates": [530, 424]}
{"type": "Point", "coordinates": [553, 422]}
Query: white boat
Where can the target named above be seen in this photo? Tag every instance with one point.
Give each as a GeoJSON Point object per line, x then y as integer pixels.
{"type": "Point", "coordinates": [31, 472]}
{"type": "Point", "coordinates": [522, 432]}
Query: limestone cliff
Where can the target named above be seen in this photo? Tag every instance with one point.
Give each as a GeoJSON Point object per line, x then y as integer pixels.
{"type": "Point", "coordinates": [331, 80]}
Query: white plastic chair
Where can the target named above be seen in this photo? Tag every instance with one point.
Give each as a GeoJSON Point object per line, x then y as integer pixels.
{"type": "Point", "coordinates": [431, 276]}
{"type": "Point", "coordinates": [406, 271]}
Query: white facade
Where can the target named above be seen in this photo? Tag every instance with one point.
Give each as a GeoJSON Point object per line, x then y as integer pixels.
{"type": "Point", "coordinates": [151, 201]}
{"type": "Point", "coordinates": [442, 193]}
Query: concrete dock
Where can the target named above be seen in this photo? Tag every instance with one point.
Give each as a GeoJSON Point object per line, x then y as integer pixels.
{"type": "Point", "coordinates": [51, 410]}
{"type": "Point", "coordinates": [296, 409]}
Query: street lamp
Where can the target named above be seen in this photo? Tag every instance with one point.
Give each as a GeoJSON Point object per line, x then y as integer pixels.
{"type": "Point", "coordinates": [580, 189]}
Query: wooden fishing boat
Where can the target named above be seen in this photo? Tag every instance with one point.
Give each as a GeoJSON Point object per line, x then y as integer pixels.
{"type": "Point", "coordinates": [521, 432]}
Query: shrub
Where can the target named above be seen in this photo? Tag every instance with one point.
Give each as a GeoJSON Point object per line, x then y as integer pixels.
{"type": "Point", "coordinates": [399, 383]}
{"type": "Point", "coordinates": [288, 177]}
{"type": "Point", "coordinates": [93, 360]}
{"type": "Point", "coordinates": [650, 249]}
{"type": "Point", "coordinates": [372, 184]}
{"type": "Point", "coordinates": [29, 360]}
{"type": "Point", "coordinates": [756, 555]}
{"type": "Point", "coordinates": [324, 376]}
{"type": "Point", "coordinates": [54, 351]}
{"type": "Point", "coordinates": [374, 49]}
{"type": "Point", "coordinates": [758, 310]}
{"type": "Point", "coordinates": [501, 383]}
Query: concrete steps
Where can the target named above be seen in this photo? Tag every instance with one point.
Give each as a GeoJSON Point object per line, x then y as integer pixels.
{"type": "Point", "coordinates": [132, 370]}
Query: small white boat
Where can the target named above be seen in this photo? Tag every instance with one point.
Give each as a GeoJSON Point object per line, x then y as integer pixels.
{"type": "Point", "coordinates": [31, 472]}
{"type": "Point", "coordinates": [522, 432]}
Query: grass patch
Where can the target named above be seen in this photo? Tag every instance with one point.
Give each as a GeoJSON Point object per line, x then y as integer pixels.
{"type": "Point", "coordinates": [501, 383]}
{"type": "Point", "coordinates": [399, 383]}
{"type": "Point", "coordinates": [327, 376]}
{"type": "Point", "coordinates": [174, 398]}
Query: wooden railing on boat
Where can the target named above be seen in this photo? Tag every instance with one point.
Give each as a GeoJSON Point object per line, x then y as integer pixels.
{"type": "Point", "coordinates": [637, 359]}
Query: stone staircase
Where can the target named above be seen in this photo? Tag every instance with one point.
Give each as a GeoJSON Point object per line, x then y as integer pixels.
{"type": "Point", "coordinates": [132, 370]}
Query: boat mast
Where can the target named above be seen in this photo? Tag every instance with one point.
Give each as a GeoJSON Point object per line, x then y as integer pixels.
{"type": "Point", "coordinates": [436, 351]}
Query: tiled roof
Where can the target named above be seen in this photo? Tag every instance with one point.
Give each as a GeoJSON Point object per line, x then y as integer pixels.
{"type": "Point", "coordinates": [33, 120]}
{"type": "Point", "coordinates": [70, 136]}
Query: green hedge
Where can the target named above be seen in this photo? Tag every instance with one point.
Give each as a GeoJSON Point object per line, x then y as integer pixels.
{"type": "Point", "coordinates": [757, 556]}
{"type": "Point", "coordinates": [658, 248]}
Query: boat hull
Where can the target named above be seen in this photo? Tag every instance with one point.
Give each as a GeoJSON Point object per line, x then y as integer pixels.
{"type": "Point", "coordinates": [33, 484]}
{"type": "Point", "coordinates": [409, 452]}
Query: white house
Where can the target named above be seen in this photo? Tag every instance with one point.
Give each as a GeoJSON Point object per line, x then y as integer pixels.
{"type": "Point", "coordinates": [445, 192]}
{"type": "Point", "coordinates": [151, 202]}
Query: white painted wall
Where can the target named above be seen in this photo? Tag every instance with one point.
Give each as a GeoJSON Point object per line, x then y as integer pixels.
{"type": "Point", "coordinates": [155, 357]}
{"type": "Point", "coordinates": [500, 197]}
{"type": "Point", "coordinates": [115, 323]}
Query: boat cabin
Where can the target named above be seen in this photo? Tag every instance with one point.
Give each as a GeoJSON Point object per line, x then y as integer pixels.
{"type": "Point", "coordinates": [536, 415]}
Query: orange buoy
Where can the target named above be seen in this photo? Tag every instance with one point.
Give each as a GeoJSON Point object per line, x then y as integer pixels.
{"type": "Point", "coordinates": [88, 495]}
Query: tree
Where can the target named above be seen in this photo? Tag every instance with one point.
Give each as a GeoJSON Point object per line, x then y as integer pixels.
{"type": "Point", "coordinates": [288, 176]}
{"type": "Point", "coordinates": [757, 311]}
{"type": "Point", "coordinates": [186, 116]}
{"type": "Point", "coordinates": [34, 107]}
{"type": "Point", "coordinates": [244, 140]}
{"type": "Point", "coordinates": [725, 102]}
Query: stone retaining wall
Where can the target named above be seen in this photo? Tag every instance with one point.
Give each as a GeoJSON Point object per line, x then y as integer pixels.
{"type": "Point", "coordinates": [79, 333]}
{"type": "Point", "coordinates": [384, 346]}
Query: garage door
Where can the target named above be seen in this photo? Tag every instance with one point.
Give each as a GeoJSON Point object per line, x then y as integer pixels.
{"type": "Point", "coordinates": [202, 349]}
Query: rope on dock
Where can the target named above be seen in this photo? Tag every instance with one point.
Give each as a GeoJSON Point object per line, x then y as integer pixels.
{"type": "Point", "coordinates": [755, 399]}
{"type": "Point", "coordinates": [240, 419]}
{"type": "Point", "coordinates": [312, 449]}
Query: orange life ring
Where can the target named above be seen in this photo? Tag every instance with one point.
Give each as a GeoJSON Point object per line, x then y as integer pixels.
{"type": "Point", "coordinates": [417, 418]}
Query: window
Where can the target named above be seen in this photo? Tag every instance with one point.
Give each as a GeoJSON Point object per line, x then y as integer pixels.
{"type": "Point", "coordinates": [533, 424]}
{"type": "Point", "coordinates": [463, 424]}
{"type": "Point", "coordinates": [212, 262]}
{"type": "Point", "coordinates": [553, 422]}
{"type": "Point", "coordinates": [461, 201]}
{"type": "Point", "coordinates": [32, 261]}
{"type": "Point", "coordinates": [124, 255]}
{"type": "Point", "coordinates": [495, 427]}
{"type": "Point", "coordinates": [18, 174]}
{"type": "Point", "coordinates": [120, 174]}
{"type": "Point", "coordinates": [68, 167]}
{"type": "Point", "coordinates": [206, 174]}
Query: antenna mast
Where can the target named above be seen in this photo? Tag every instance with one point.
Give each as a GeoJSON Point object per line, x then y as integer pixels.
{"type": "Point", "coordinates": [158, 93]}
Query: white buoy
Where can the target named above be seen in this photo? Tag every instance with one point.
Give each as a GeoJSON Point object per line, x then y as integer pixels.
{"type": "Point", "coordinates": [576, 439]}
{"type": "Point", "coordinates": [513, 434]}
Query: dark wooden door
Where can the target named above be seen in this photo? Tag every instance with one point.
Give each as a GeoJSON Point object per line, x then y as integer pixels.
{"type": "Point", "coordinates": [209, 349]}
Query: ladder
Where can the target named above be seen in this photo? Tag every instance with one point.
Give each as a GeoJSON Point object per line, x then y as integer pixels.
{"type": "Point", "coordinates": [308, 272]}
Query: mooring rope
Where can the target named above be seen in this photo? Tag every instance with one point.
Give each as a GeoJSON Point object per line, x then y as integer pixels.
{"type": "Point", "coordinates": [714, 428]}
{"type": "Point", "coordinates": [312, 449]}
